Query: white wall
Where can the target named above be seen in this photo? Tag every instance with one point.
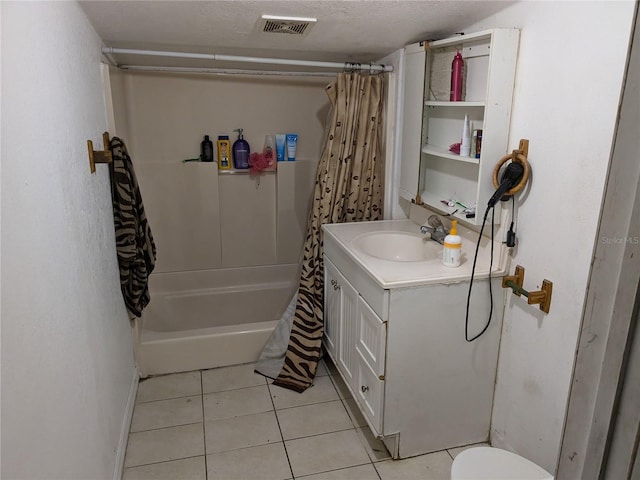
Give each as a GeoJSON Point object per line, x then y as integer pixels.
{"type": "Point", "coordinates": [67, 361]}
{"type": "Point", "coordinates": [570, 72]}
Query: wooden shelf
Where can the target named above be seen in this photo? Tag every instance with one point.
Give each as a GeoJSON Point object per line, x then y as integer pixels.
{"type": "Point", "coordinates": [441, 152]}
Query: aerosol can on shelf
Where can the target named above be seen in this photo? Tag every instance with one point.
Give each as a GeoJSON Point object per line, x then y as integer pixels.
{"type": "Point", "coordinates": [241, 151]}
{"type": "Point", "coordinates": [457, 78]}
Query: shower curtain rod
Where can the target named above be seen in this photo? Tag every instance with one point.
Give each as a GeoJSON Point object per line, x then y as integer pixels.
{"type": "Point", "coordinates": [236, 58]}
{"type": "Point", "coordinates": [224, 71]}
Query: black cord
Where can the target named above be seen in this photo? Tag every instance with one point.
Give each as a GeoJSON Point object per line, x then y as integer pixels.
{"type": "Point", "coordinates": [473, 270]}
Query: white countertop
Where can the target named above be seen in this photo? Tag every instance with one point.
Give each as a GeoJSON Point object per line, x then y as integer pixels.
{"type": "Point", "coordinates": [394, 274]}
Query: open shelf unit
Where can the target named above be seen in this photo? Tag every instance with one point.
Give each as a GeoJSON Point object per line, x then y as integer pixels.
{"type": "Point", "coordinates": [430, 129]}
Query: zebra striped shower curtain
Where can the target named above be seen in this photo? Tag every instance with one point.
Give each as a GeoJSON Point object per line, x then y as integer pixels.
{"type": "Point", "coordinates": [348, 188]}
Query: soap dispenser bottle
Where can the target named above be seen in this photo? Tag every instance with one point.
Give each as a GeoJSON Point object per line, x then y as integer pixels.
{"type": "Point", "coordinates": [452, 247]}
{"type": "Point", "coordinates": [240, 151]}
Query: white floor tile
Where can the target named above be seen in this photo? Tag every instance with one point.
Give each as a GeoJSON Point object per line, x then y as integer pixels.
{"type": "Point", "coordinates": [374, 447]}
{"type": "Point", "coordinates": [169, 386]}
{"type": "Point", "coordinates": [313, 419]}
{"type": "Point", "coordinates": [164, 444]}
{"type": "Point", "coordinates": [230, 378]}
{"type": "Point", "coordinates": [185, 469]}
{"type": "Point", "coordinates": [433, 466]}
{"type": "Point", "coordinates": [241, 432]}
{"type": "Point", "coordinates": [321, 391]}
{"type": "Point", "coordinates": [361, 472]}
{"type": "Point", "coordinates": [166, 413]}
{"type": "Point", "coordinates": [331, 367]}
{"type": "Point", "coordinates": [455, 451]}
{"type": "Point", "coordinates": [232, 403]}
{"type": "Point", "coordinates": [322, 369]}
{"type": "Point", "coordinates": [354, 412]}
{"type": "Point", "coordinates": [341, 386]}
{"type": "Point", "coordinates": [326, 452]}
{"type": "Point", "coordinates": [266, 462]}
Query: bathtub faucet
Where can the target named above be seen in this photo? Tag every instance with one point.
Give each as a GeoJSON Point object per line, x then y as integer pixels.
{"type": "Point", "coordinates": [435, 228]}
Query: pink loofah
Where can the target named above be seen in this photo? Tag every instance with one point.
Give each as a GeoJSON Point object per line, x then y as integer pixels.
{"type": "Point", "coordinates": [258, 162]}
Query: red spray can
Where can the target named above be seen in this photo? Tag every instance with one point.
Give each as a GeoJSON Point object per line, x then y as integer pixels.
{"type": "Point", "coordinates": [457, 73]}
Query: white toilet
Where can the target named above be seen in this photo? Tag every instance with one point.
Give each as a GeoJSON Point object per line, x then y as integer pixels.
{"type": "Point", "coordinates": [489, 463]}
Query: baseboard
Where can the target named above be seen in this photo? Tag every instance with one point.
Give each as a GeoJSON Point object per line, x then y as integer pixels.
{"type": "Point", "coordinates": [126, 424]}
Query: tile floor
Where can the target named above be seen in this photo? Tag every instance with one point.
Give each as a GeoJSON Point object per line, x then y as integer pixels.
{"type": "Point", "coordinates": [230, 423]}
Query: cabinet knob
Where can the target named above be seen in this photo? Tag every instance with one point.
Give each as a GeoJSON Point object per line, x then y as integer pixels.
{"type": "Point", "coordinates": [364, 389]}
{"type": "Point", "coordinates": [336, 286]}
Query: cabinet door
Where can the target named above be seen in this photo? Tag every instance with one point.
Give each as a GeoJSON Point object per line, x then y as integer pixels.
{"type": "Point", "coordinates": [347, 357]}
{"type": "Point", "coordinates": [412, 102]}
{"type": "Point", "coordinates": [372, 338]}
{"type": "Point", "coordinates": [332, 305]}
{"type": "Point", "coordinates": [369, 393]}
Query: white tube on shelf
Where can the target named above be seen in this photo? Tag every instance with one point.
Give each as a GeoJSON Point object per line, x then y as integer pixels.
{"type": "Point", "coordinates": [465, 146]}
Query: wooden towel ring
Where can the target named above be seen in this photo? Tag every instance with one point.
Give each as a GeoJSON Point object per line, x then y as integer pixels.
{"type": "Point", "coordinates": [517, 156]}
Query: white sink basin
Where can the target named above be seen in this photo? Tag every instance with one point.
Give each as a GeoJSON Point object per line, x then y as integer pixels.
{"type": "Point", "coordinates": [397, 246]}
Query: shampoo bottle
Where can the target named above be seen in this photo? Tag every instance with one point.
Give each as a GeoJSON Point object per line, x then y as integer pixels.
{"type": "Point", "coordinates": [452, 247]}
{"type": "Point", "coordinates": [240, 151]}
{"type": "Point", "coordinates": [224, 153]}
{"type": "Point", "coordinates": [206, 150]}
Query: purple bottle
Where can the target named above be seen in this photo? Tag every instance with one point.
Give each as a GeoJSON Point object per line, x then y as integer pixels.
{"type": "Point", "coordinates": [241, 151]}
{"type": "Point", "coordinates": [457, 72]}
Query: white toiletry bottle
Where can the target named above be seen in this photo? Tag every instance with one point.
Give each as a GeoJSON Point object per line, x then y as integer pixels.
{"type": "Point", "coordinates": [452, 247]}
{"type": "Point", "coordinates": [465, 146]}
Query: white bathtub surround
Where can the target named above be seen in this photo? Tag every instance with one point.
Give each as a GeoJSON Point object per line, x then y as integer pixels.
{"type": "Point", "coordinates": [211, 318]}
{"type": "Point", "coordinates": [203, 219]}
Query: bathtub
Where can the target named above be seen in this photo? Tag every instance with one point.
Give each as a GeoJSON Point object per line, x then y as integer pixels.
{"type": "Point", "coordinates": [211, 318]}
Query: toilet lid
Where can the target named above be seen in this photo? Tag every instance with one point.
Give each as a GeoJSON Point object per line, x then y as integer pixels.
{"type": "Point", "coordinates": [489, 463]}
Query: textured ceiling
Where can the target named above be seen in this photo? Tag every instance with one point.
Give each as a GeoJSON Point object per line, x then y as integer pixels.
{"type": "Point", "coordinates": [353, 31]}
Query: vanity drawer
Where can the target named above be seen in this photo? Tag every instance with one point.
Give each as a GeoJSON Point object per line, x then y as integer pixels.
{"type": "Point", "coordinates": [371, 338]}
{"type": "Point", "coordinates": [369, 392]}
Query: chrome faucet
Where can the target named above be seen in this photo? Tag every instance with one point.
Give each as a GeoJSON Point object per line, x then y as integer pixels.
{"type": "Point", "coordinates": [435, 228]}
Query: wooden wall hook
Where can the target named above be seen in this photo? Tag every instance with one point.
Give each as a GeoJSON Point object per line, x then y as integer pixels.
{"type": "Point", "coordinates": [540, 297]}
{"type": "Point", "coordinates": [99, 156]}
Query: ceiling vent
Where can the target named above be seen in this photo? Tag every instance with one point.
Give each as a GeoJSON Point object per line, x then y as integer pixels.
{"type": "Point", "coordinates": [290, 25]}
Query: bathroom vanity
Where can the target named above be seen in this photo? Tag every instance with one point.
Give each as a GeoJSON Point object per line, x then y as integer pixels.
{"type": "Point", "coordinates": [395, 328]}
